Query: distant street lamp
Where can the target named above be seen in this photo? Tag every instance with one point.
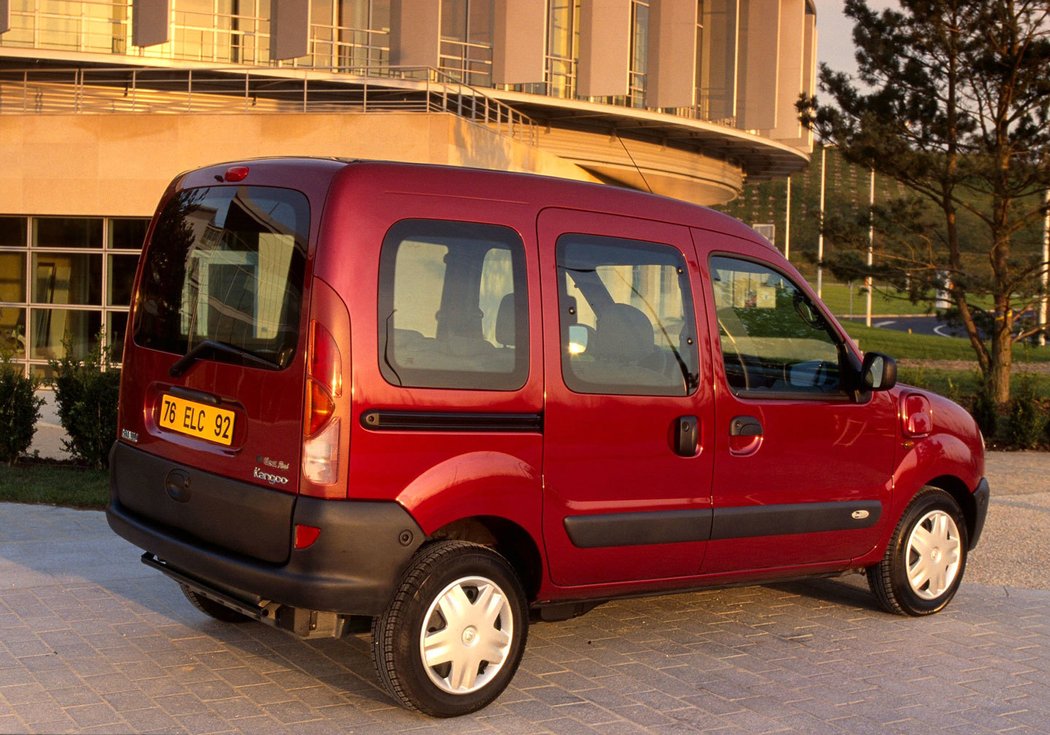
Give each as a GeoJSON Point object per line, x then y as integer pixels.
{"type": "Point", "coordinates": [787, 222]}
{"type": "Point", "coordinates": [1046, 272]}
{"type": "Point", "coordinates": [871, 248]}
{"type": "Point", "coordinates": [820, 234]}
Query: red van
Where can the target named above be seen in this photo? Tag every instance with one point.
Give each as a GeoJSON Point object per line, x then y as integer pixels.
{"type": "Point", "coordinates": [455, 401]}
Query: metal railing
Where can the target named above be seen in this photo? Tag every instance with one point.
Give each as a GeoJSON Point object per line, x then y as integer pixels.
{"type": "Point", "coordinates": [240, 90]}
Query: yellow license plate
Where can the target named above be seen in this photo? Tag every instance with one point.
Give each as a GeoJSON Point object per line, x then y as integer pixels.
{"type": "Point", "coordinates": [197, 419]}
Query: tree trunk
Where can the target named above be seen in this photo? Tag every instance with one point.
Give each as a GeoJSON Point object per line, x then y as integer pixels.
{"type": "Point", "coordinates": [1001, 353]}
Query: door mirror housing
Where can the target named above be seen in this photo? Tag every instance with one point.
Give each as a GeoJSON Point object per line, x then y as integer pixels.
{"type": "Point", "coordinates": [878, 372]}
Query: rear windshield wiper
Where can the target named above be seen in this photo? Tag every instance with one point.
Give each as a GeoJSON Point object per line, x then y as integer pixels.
{"type": "Point", "coordinates": [210, 345]}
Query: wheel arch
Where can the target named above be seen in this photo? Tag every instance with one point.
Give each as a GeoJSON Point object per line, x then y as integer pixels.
{"type": "Point", "coordinates": [506, 537]}
{"type": "Point", "coordinates": [963, 496]}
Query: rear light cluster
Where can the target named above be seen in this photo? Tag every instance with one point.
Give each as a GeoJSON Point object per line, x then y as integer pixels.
{"type": "Point", "coordinates": [321, 425]}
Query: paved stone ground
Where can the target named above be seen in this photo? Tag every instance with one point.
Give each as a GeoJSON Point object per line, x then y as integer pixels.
{"type": "Point", "coordinates": [93, 642]}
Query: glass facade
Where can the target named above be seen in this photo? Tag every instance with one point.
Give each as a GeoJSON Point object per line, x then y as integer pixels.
{"type": "Point", "coordinates": [64, 281]}
{"type": "Point", "coordinates": [353, 36]}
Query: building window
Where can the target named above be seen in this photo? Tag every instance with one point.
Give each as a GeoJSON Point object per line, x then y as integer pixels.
{"type": "Point", "coordinates": [637, 76]}
{"type": "Point", "coordinates": [466, 41]}
{"type": "Point", "coordinates": [62, 281]}
{"type": "Point", "coordinates": [67, 232]}
{"type": "Point", "coordinates": [563, 47]}
{"type": "Point", "coordinates": [347, 35]}
{"type": "Point", "coordinates": [13, 232]}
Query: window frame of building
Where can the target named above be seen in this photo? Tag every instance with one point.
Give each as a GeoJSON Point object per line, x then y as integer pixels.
{"type": "Point", "coordinates": [94, 307]}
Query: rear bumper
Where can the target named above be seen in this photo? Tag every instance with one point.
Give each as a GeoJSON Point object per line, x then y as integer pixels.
{"type": "Point", "coordinates": [352, 568]}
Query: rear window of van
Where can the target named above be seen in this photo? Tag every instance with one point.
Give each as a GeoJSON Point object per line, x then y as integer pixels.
{"type": "Point", "coordinates": [224, 269]}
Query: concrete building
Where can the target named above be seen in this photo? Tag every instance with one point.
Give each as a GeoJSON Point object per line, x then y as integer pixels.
{"type": "Point", "coordinates": [102, 102]}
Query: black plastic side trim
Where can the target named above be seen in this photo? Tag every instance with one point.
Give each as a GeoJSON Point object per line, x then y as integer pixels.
{"type": "Point", "coordinates": [676, 526]}
{"type": "Point", "coordinates": [635, 529]}
{"type": "Point", "coordinates": [777, 520]}
{"type": "Point", "coordinates": [981, 497]}
{"type": "Point", "coordinates": [451, 421]}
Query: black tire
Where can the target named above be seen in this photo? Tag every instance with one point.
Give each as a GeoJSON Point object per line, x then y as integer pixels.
{"type": "Point", "coordinates": [213, 609]}
{"type": "Point", "coordinates": [934, 516]}
{"type": "Point", "coordinates": [452, 572]}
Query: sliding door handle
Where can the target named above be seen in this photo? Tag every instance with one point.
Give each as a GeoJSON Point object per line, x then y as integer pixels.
{"type": "Point", "coordinates": [745, 426]}
{"type": "Point", "coordinates": [686, 436]}
{"type": "Point", "coordinates": [745, 436]}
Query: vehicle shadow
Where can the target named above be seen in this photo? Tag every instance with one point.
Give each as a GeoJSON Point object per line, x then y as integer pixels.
{"type": "Point", "coordinates": [848, 591]}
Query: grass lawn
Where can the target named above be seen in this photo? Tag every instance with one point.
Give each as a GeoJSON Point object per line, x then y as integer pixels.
{"type": "Point", "coordinates": [883, 300]}
{"type": "Point", "coordinates": [54, 484]}
{"type": "Point", "coordinates": [836, 296]}
{"type": "Point", "coordinates": [904, 346]}
{"type": "Point", "coordinates": [961, 385]}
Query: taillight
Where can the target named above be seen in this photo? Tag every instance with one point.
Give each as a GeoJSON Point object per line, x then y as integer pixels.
{"type": "Point", "coordinates": [324, 385]}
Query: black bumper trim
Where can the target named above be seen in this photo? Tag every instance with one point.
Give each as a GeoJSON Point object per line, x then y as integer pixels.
{"type": "Point", "coordinates": [981, 497]}
{"type": "Point", "coordinates": [352, 568]}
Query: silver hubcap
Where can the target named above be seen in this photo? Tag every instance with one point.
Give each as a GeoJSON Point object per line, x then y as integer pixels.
{"type": "Point", "coordinates": [933, 555]}
{"type": "Point", "coordinates": [466, 635]}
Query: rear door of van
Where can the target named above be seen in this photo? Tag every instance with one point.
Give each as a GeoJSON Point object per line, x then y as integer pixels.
{"type": "Point", "coordinates": [212, 394]}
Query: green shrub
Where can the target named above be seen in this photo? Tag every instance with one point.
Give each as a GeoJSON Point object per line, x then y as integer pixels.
{"type": "Point", "coordinates": [86, 393]}
{"type": "Point", "coordinates": [1025, 418]}
{"type": "Point", "coordinates": [985, 411]}
{"type": "Point", "coordinates": [19, 410]}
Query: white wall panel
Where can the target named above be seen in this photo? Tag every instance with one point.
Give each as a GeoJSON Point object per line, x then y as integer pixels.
{"type": "Point", "coordinates": [519, 42]}
{"type": "Point", "coordinates": [605, 48]}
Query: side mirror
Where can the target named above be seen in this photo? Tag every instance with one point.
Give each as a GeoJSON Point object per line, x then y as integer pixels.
{"type": "Point", "coordinates": [878, 371]}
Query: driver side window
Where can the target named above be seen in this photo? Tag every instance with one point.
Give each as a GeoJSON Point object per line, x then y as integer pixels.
{"type": "Point", "coordinates": [774, 340]}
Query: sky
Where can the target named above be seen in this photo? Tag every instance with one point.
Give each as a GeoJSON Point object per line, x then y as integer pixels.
{"type": "Point", "coordinates": [835, 33]}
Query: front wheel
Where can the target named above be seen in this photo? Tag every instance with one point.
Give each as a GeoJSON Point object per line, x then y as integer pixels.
{"type": "Point", "coordinates": [454, 634]}
{"type": "Point", "coordinates": [925, 559]}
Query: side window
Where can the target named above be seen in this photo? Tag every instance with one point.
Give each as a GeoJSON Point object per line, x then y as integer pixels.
{"type": "Point", "coordinates": [774, 340]}
{"type": "Point", "coordinates": [626, 317]}
{"type": "Point", "coordinates": [453, 310]}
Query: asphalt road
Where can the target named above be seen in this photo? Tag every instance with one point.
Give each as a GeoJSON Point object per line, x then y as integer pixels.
{"type": "Point", "coordinates": [913, 324]}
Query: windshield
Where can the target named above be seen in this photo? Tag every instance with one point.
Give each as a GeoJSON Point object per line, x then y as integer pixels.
{"type": "Point", "coordinates": [225, 266]}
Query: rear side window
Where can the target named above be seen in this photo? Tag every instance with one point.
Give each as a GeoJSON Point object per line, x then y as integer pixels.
{"type": "Point", "coordinates": [223, 275]}
{"type": "Point", "coordinates": [626, 317]}
{"type": "Point", "coordinates": [453, 309]}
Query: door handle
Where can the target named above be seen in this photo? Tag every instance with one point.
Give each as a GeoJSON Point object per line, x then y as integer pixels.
{"type": "Point", "coordinates": [686, 436]}
{"type": "Point", "coordinates": [745, 426]}
{"type": "Point", "coordinates": [745, 436]}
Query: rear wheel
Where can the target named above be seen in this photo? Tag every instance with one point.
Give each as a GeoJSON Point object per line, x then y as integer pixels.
{"type": "Point", "coordinates": [211, 608]}
{"type": "Point", "coordinates": [454, 634]}
{"type": "Point", "coordinates": [926, 558]}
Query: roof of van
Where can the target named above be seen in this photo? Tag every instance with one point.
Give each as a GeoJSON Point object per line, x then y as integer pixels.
{"type": "Point", "coordinates": [526, 188]}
